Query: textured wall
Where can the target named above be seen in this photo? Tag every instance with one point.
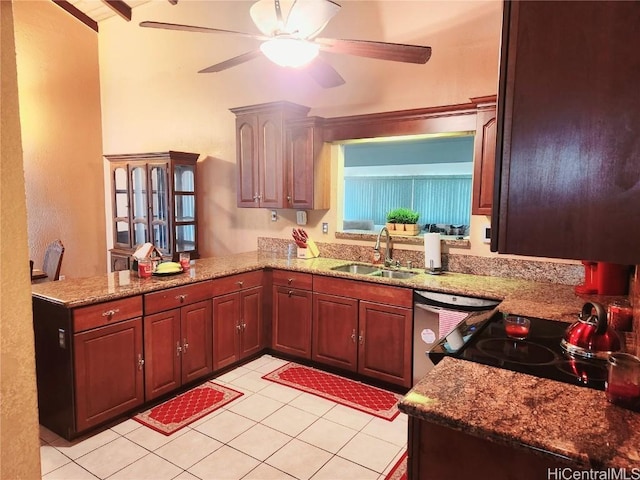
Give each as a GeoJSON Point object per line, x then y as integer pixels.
{"type": "Point", "coordinates": [59, 94]}
{"type": "Point", "coordinates": [20, 446]}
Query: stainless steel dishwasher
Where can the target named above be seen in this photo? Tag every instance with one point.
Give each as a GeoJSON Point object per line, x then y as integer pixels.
{"type": "Point", "coordinates": [435, 315]}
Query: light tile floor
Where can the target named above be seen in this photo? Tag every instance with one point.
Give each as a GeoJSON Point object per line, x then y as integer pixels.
{"type": "Point", "coordinates": [271, 432]}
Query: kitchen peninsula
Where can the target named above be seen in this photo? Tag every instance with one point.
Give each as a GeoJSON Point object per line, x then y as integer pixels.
{"type": "Point", "coordinates": [506, 408]}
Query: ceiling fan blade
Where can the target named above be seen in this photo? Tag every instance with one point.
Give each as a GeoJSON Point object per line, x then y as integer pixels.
{"type": "Point", "coordinates": [324, 74]}
{"type": "Point", "coordinates": [232, 62]}
{"type": "Point", "coordinates": [396, 52]}
{"type": "Point", "coordinates": [194, 28]}
{"type": "Point", "coordinates": [298, 18]}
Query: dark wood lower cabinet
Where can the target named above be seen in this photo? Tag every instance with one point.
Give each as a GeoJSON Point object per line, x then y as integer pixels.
{"type": "Point", "coordinates": [441, 453]}
{"type": "Point", "coordinates": [109, 372]}
{"type": "Point", "coordinates": [237, 326]}
{"type": "Point", "coordinates": [178, 347]}
{"type": "Point", "coordinates": [385, 342]}
{"type": "Point", "coordinates": [372, 339]}
{"type": "Point", "coordinates": [292, 321]}
{"type": "Point", "coordinates": [335, 331]}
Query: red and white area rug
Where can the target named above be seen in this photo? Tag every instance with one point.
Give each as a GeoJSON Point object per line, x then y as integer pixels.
{"type": "Point", "coordinates": [360, 396]}
{"type": "Point", "coordinates": [399, 470]}
{"type": "Point", "coordinates": [180, 411]}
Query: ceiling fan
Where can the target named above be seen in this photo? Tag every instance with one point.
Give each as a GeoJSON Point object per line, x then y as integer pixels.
{"type": "Point", "coordinates": [289, 35]}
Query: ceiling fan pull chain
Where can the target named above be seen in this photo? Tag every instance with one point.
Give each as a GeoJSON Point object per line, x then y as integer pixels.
{"type": "Point", "coordinates": [279, 14]}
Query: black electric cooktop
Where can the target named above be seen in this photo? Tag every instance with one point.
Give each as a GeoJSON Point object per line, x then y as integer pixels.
{"type": "Point", "coordinates": [540, 354]}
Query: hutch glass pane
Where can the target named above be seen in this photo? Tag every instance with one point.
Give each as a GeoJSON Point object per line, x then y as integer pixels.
{"type": "Point", "coordinates": [139, 192]}
{"type": "Point", "coordinates": [184, 178]}
{"type": "Point", "coordinates": [185, 238]}
{"type": "Point", "coordinates": [140, 233]}
{"type": "Point", "coordinates": [160, 233]}
{"type": "Point", "coordinates": [122, 233]}
{"type": "Point", "coordinates": [121, 193]}
{"type": "Point", "coordinates": [158, 193]}
{"type": "Point", "coordinates": [185, 208]}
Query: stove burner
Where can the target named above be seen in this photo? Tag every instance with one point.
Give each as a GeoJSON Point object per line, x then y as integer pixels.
{"type": "Point", "coordinates": [585, 372]}
{"type": "Point", "coordinates": [521, 352]}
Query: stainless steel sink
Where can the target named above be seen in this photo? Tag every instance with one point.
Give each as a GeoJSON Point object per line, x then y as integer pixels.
{"type": "Point", "coordinates": [397, 274]}
{"type": "Point", "coordinates": [357, 268]}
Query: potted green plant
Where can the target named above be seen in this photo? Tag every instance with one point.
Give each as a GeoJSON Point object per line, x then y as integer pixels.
{"type": "Point", "coordinates": [403, 221]}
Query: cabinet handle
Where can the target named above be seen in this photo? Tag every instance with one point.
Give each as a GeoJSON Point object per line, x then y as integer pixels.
{"type": "Point", "coordinates": [140, 361]}
{"type": "Point", "coordinates": [181, 297]}
{"type": "Point", "coordinates": [353, 336]}
{"type": "Point", "coordinates": [290, 293]}
{"type": "Point", "coordinates": [289, 198]}
{"type": "Point", "coordinates": [178, 348]}
{"type": "Point", "coordinates": [361, 338]}
{"type": "Point", "coordinates": [290, 281]}
{"type": "Point", "coordinates": [244, 326]}
{"type": "Point", "coordinates": [240, 283]}
{"type": "Point", "coordinates": [238, 328]}
{"type": "Point", "coordinates": [110, 313]}
{"type": "Point", "coordinates": [185, 345]}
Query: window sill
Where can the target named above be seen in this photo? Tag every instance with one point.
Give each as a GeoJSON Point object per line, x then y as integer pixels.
{"type": "Point", "coordinates": [450, 240]}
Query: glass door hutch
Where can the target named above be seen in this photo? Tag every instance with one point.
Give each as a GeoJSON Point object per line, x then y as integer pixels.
{"type": "Point", "coordinates": [153, 199]}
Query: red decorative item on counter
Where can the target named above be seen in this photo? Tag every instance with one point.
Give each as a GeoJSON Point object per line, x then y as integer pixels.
{"type": "Point", "coordinates": [602, 278]}
{"type": "Point", "coordinates": [620, 316]}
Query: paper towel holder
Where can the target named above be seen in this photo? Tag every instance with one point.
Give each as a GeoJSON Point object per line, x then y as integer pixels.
{"type": "Point", "coordinates": [431, 270]}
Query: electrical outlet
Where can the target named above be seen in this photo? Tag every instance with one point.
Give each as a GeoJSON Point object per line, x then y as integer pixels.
{"type": "Point", "coordinates": [325, 227]}
{"type": "Point", "coordinates": [62, 277]}
{"type": "Point", "coordinates": [274, 216]}
{"type": "Point", "coordinates": [486, 234]}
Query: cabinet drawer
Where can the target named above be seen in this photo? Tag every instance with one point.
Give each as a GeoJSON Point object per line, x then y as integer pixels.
{"type": "Point", "coordinates": [235, 283]}
{"type": "Point", "coordinates": [385, 294]}
{"type": "Point", "coordinates": [176, 297]}
{"type": "Point", "coordinates": [286, 278]}
{"type": "Point", "coordinates": [101, 314]}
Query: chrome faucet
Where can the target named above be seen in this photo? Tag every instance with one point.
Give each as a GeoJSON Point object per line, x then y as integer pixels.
{"type": "Point", "coordinates": [389, 247]}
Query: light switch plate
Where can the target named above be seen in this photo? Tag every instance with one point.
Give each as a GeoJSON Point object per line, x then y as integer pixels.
{"type": "Point", "coordinates": [274, 216]}
{"type": "Point", "coordinates": [486, 234]}
{"type": "Point", "coordinates": [301, 217]}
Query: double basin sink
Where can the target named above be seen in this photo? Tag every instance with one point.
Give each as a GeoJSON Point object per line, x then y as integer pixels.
{"type": "Point", "coordinates": [374, 271]}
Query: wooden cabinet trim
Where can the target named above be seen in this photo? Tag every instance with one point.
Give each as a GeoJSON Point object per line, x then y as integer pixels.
{"type": "Point", "coordinates": [235, 283]}
{"type": "Point", "coordinates": [101, 314]}
{"type": "Point", "coordinates": [176, 297]}
{"type": "Point", "coordinates": [386, 294]}
{"type": "Point", "coordinates": [291, 279]}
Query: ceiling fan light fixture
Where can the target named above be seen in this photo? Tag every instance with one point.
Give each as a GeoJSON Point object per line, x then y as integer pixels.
{"type": "Point", "coordinates": [290, 52]}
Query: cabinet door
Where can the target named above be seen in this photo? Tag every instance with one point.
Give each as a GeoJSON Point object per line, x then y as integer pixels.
{"type": "Point", "coordinates": [568, 100]}
{"type": "Point", "coordinates": [385, 342]}
{"type": "Point", "coordinates": [159, 207]}
{"type": "Point", "coordinates": [300, 153]}
{"type": "Point", "coordinates": [108, 372]}
{"type": "Point", "coordinates": [226, 330]}
{"type": "Point", "coordinates": [162, 350]}
{"type": "Point", "coordinates": [184, 201]}
{"type": "Point", "coordinates": [271, 161]}
{"type": "Point", "coordinates": [139, 206]}
{"type": "Point", "coordinates": [335, 331]}
{"type": "Point", "coordinates": [120, 206]}
{"type": "Point", "coordinates": [197, 340]}
{"type": "Point", "coordinates": [484, 160]}
{"type": "Point", "coordinates": [292, 321]}
{"type": "Point", "coordinates": [251, 321]}
{"type": "Point", "coordinates": [247, 160]}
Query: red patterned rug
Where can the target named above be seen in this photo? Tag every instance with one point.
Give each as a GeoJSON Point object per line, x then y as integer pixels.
{"type": "Point", "coordinates": [180, 411]}
{"type": "Point", "coordinates": [360, 396]}
{"type": "Point", "coordinates": [399, 470]}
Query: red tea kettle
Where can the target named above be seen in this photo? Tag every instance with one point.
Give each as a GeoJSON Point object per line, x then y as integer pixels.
{"type": "Point", "coordinates": [591, 336]}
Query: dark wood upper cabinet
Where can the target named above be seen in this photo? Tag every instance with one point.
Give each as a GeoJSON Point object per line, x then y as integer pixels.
{"type": "Point", "coordinates": [260, 153]}
{"type": "Point", "coordinates": [568, 171]}
{"type": "Point", "coordinates": [484, 156]}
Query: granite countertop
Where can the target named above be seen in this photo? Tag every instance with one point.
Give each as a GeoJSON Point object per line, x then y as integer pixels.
{"type": "Point", "coordinates": [488, 402]}
{"type": "Point", "coordinates": [525, 297]}
{"type": "Point", "coordinates": [517, 409]}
